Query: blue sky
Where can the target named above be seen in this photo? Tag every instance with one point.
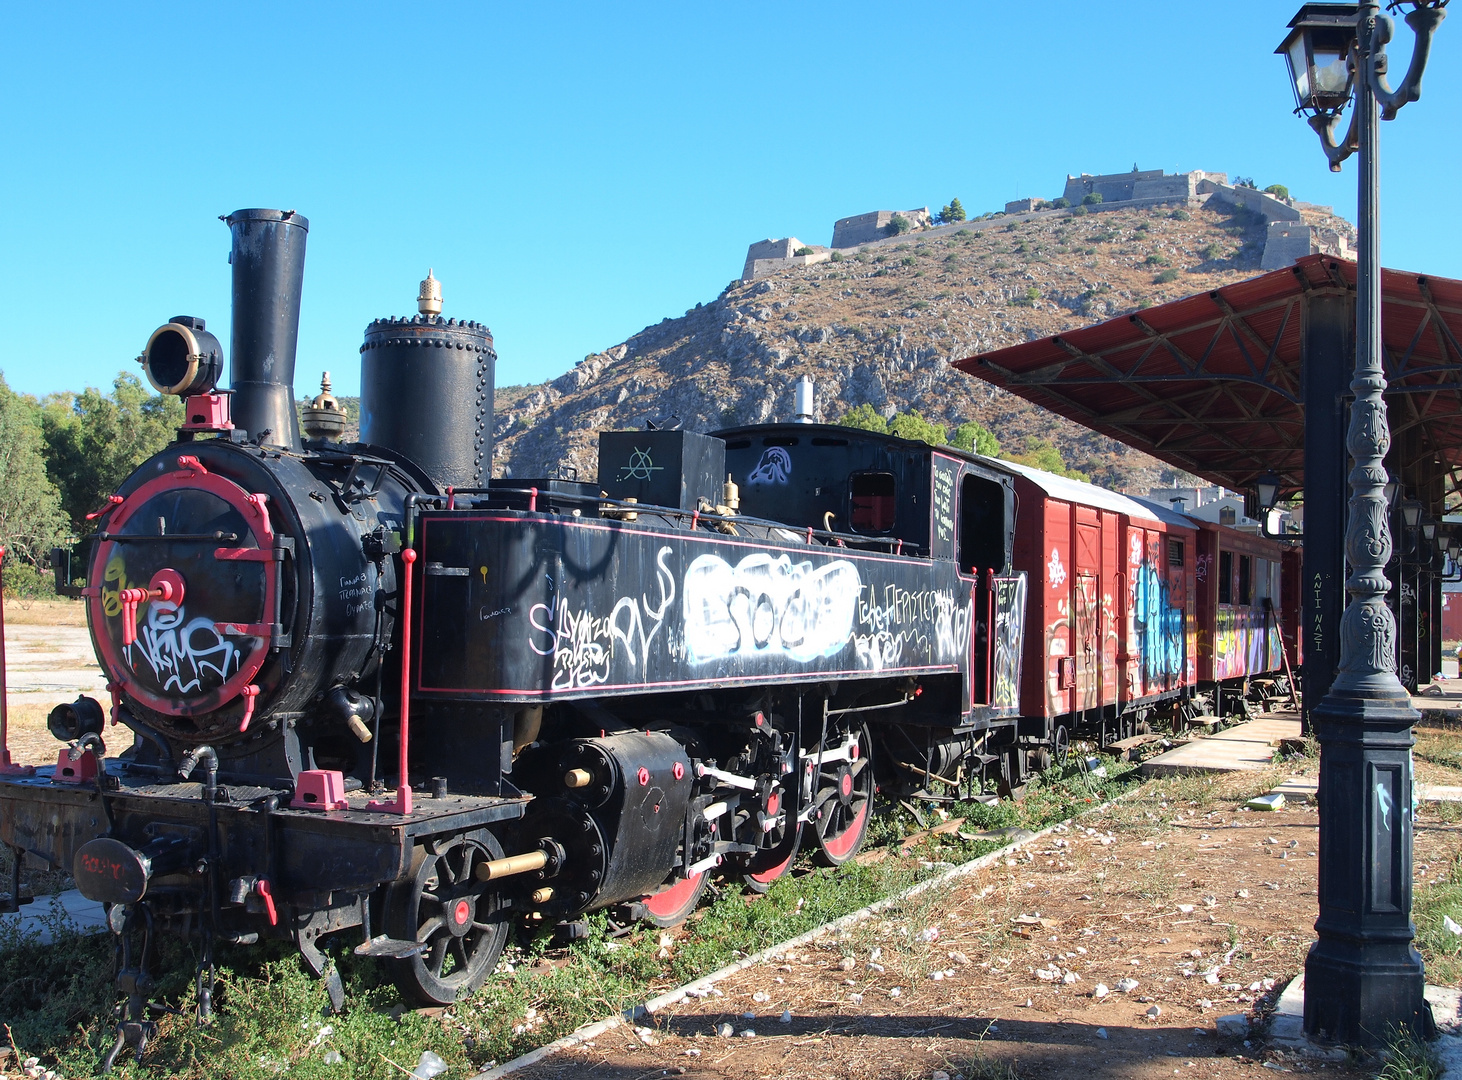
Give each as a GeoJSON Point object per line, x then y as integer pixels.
{"type": "Point", "coordinates": [576, 172]}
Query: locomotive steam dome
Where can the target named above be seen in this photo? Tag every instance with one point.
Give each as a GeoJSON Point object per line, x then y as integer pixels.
{"type": "Point", "coordinates": [426, 386]}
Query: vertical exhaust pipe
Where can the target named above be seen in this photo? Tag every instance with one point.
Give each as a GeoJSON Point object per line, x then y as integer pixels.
{"type": "Point", "coordinates": [268, 260]}
{"type": "Point", "coordinates": [805, 402]}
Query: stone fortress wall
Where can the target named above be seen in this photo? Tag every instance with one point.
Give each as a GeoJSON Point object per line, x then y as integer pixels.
{"type": "Point", "coordinates": [1288, 236]}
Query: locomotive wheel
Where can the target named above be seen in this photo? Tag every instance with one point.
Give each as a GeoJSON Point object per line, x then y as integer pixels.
{"type": "Point", "coordinates": [842, 802]}
{"type": "Point", "coordinates": [460, 921]}
{"type": "Point", "coordinates": [673, 904]}
{"type": "Point", "coordinates": [779, 847]}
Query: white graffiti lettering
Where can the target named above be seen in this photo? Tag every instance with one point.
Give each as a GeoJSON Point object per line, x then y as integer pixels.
{"type": "Point", "coordinates": [181, 655]}
{"type": "Point", "coordinates": [1055, 571]}
{"type": "Point", "coordinates": [902, 618]}
{"type": "Point", "coordinates": [768, 605]}
{"type": "Point", "coordinates": [583, 645]}
{"type": "Point", "coordinates": [774, 467]}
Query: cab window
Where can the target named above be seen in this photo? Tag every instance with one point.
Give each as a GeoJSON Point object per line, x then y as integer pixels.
{"type": "Point", "coordinates": [872, 499]}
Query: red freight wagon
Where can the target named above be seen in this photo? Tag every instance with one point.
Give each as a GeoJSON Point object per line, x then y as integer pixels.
{"type": "Point", "coordinates": [1111, 627]}
{"type": "Point", "coordinates": [1242, 602]}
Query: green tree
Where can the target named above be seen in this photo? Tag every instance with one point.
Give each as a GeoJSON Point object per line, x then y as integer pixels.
{"type": "Point", "coordinates": [31, 520]}
{"type": "Point", "coordinates": [1092, 199]}
{"type": "Point", "coordinates": [1279, 191]}
{"type": "Point", "coordinates": [865, 418]}
{"type": "Point", "coordinates": [951, 213]}
{"type": "Point", "coordinates": [912, 425]}
{"type": "Point", "coordinates": [897, 225]}
{"type": "Point", "coordinates": [93, 440]}
{"type": "Point", "coordinates": [973, 436]}
{"type": "Point", "coordinates": [1042, 454]}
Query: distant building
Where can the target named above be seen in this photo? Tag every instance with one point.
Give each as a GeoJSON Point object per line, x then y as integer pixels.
{"type": "Point", "coordinates": [1150, 186]}
{"type": "Point", "coordinates": [1215, 504]}
{"type": "Point", "coordinates": [875, 225]}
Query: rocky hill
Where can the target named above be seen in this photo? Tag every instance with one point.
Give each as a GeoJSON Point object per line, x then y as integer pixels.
{"type": "Point", "coordinates": [881, 327]}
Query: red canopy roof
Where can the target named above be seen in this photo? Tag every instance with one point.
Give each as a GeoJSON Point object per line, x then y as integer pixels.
{"type": "Point", "coordinates": [1212, 383]}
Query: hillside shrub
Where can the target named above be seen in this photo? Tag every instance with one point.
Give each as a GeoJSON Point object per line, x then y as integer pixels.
{"type": "Point", "coordinates": [1156, 259]}
{"type": "Point", "coordinates": [863, 256]}
{"type": "Point", "coordinates": [1211, 252]}
{"type": "Point", "coordinates": [803, 251]}
{"type": "Point", "coordinates": [1093, 199]}
{"type": "Point", "coordinates": [1166, 276]}
{"type": "Point", "coordinates": [898, 225]}
{"type": "Point", "coordinates": [908, 260]}
{"type": "Point", "coordinates": [865, 418]}
{"type": "Point", "coordinates": [1181, 215]}
{"type": "Point", "coordinates": [1078, 211]}
{"type": "Point", "coordinates": [1060, 204]}
{"type": "Point", "coordinates": [912, 426]}
{"type": "Point", "coordinates": [1041, 453]}
{"type": "Point", "coordinates": [837, 256]}
{"type": "Point", "coordinates": [974, 437]}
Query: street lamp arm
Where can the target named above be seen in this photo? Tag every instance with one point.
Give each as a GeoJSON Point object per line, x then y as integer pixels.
{"type": "Point", "coordinates": [1423, 22]}
{"type": "Point", "coordinates": [1325, 125]}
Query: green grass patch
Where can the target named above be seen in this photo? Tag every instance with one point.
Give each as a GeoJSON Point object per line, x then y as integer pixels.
{"type": "Point", "coordinates": [1431, 904]}
{"type": "Point", "coordinates": [273, 1019]}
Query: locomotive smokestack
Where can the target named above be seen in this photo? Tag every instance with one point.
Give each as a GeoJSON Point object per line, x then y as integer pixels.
{"type": "Point", "coordinates": [268, 260]}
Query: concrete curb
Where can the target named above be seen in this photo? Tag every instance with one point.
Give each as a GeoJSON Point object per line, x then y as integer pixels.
{"type": "Point", "coordinates": [705, 982]}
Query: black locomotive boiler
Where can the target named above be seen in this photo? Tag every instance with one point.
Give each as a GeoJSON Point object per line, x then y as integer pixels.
{"type": "Point", "coordinates": [370, 690]}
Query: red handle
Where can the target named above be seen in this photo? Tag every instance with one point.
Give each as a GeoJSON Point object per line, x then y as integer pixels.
{"type": "Point", "coordinates": [262, 888]}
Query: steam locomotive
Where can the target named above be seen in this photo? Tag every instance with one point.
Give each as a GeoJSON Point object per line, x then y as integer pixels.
{"type": "Point", "coordinates": [369, 690]}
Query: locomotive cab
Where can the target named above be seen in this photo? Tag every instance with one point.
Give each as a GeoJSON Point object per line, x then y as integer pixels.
{"type": "Point", "coordinates": [853, 483]}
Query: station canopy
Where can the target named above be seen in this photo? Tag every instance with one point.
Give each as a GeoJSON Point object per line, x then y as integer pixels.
{"type": "Point", "coordinates": [1212, 383]}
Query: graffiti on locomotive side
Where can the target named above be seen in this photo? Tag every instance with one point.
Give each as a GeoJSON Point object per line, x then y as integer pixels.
{"type": "Point", "coordinates": [888, 624]}
{"type": "Point", "coordinates": [583, 646]}
{"type": "Point", "coordinates": [1009, 639]}
{"type": "Point", "coordinates": [183, 656]}
{"type": "Point", "coordinates": [774, 467]}
{"type": "Point", "coordinates": [767, 605]}
{"type": "Point", "coordinates": [944, 503]}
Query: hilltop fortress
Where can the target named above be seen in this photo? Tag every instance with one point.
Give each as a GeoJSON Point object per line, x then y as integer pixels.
{"type": "Point", "coordinates": [1288, 236]}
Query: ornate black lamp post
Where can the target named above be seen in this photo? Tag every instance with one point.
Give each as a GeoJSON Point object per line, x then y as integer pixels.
{"type": "Point", "coordinates": [1363, 978]}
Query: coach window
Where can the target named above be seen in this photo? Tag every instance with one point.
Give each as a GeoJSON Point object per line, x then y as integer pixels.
{"type": "Point", "coordinates": [872, 503]}
{"type": "Point", "coordinates": [981, 525]}
{"type": "Point", "coordinates": [1175, 552]}
{"type": "Point", "coordinates": [1246, 580]}
{"type": "Point", "coordinates": [1225, 577]}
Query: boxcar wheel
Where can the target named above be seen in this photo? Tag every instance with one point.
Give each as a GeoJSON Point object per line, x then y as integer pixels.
{"type": "Point", "coordinates": [1060, 745]}
{"type": "Point", "coordinates": [460, 921]}
{"type": "Point", "coordinates": [842, 799]}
